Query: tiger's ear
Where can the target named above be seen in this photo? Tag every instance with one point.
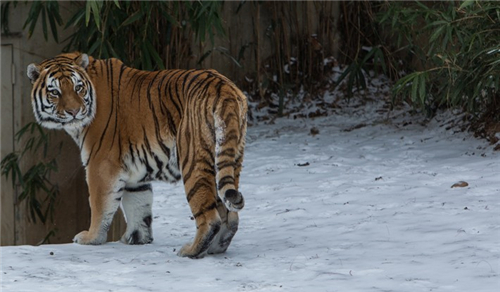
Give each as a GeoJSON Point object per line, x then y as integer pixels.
{"type": "Point", "coordinates": [83, 61]}
{"type": "Point", "coordinates": [33, 72]}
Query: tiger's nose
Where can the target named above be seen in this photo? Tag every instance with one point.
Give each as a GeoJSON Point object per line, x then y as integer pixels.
{"type": "Point", "coordinates": [73, 112]}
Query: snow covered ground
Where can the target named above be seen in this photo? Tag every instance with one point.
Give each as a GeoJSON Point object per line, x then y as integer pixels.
{"type": "Point", "coordinates": [366, 204]}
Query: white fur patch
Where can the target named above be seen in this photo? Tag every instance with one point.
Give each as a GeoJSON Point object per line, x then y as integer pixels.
{"type": "Point", "coordinates": [220, 130]}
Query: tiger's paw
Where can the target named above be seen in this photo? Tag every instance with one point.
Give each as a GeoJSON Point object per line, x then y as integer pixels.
{"type": "Point", "coordinates": [188, 251]}
{"type": "Point", "coordinates": [87, 238]}
{"type": "Point", "coordinates": [223, 239]}
{"type": "Point", "coordinates": [202, 242]}
{"type": "Point", "coordinates": [137, 237]}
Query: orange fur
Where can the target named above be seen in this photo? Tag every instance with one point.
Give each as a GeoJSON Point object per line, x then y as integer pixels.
{"type": "Point", "coordinates": [136, 126]}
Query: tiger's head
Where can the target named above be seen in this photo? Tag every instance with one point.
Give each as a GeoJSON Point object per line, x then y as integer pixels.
{"type": "Point", "coordinates": [63, 96]}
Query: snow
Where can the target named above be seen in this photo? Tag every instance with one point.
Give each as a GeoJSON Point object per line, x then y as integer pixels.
{"type": "Point", "coordinates": [366, 204]}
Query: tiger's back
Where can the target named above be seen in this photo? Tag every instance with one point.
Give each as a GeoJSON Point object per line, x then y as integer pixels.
{"type": "Point", "coordinates": [163, 125]}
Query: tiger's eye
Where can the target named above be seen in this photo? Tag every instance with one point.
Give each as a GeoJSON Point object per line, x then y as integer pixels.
{"type": "Point", "coordinates": [54, 93]}
{"type": "Point", "coordinates": [78, 88]}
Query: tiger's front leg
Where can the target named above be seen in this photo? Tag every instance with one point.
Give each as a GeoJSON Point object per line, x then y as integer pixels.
{"type": "Point", "coordinates": [105, 192]}
{"type": "Point", "coordinates": [136, 205]}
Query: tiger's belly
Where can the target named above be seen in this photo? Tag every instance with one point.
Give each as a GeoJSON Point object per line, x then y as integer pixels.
{"type": "Point", "coordinates": [152, 163]}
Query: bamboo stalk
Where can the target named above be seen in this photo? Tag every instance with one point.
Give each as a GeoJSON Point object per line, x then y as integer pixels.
{"type": "Point", "coordinates": [309, 36]}
{"type": "Point", "coordinates": [299, 51]}
{"type": "Point", "coordinates": [257, 49]}
{"type": "Point", "coordinates": [277, 36]}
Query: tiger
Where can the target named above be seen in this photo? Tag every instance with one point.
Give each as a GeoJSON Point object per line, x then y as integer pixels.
{"type": "Point", "coordinates": [134, 127]}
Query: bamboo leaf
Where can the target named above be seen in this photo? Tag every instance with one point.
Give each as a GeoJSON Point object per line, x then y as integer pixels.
{"type": "Point", "coordinates": [54, 11]}
{"type": "Point", "coordinates": [76, 19]}
{"type": "Point", "coordinates": [96, 13]}
{"type": "Point", "coordinates": [53, 27]}
{"type": "Point", "coordinates": [145, 57]}
{"type": "Point", "coordinates": [33, 18]}
{"type": "Point", "coordinates": [44, 24]}
{"type": "Point", "coordinates": [242, 2]}
{"type": "Point", "coordinates": [466, 3]}
{"type": "Point", "coordinates": [94, 46]}
{"type": "Point", "coordinates": [156, 57]}
{"type": "Point", "coordinates": [414, 88]}
{"type": "Point", "coordinates": [112, 50]}
{"type": "Point", "coordinates": [87, 12]}
{"type": "Point", "coordinates": [138, 15]}
{"type": "Point", "coordinates": [204, 56]}
{"type": "Point", "coordinates": [422, 92]}
{"type": "Point", "coordinates": [226, 53]}
{"type": "Point", "coordinates": [437, 33]}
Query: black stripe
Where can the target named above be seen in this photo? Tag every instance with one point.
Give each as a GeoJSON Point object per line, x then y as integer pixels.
{"type": "Point", "coordinates": [90, 155]}
{"type": "Point", "coordinates": [163, 147]}
{"type": "Point", "coordinates": [178, 96]}
{"type": "Point", "coordinates": [109, 69]}
{"type": "Point", "coordinates": [117, 107]}
{"type": "Point", "coordinates": [117, 104]}
{"type": "Point", "coordinates": [141, 188]}
{"type": "Point", "coordinates": [224, 164]}
{"type": "Point", "coordinates": [149, 169]}
{"type": "Point", "coordinates": [170, 96]}
{"type": "Point", "coordinates": [204, 161]}
{"type": "Point", "coordinates": [231, 135]}
{"type": "Point", "coordinates": [225, 103]}
{"type": "Point", "coordinates": [161, 99]}
{"type": "Point", "coordinates": [173, 173]}
{"type": "Point", "coordinates": [150, 85]}
{"type": "Point", "coordinates": [230, 152]}
{"type": "Point", "coordinates": [188, 74]}
{"type": "Point", "coordinates": [119, 145]}
{"type": "Point", "coordinates": [208, 171]}
{"type": "Point", "coordinates": [204, 210]}
{"type": "Point", "coordinates": [218, 88]}
{"type": "Point", "coordinates": [187, 147]}
{"type": "Point", "coordinates": [138, 79]}
{"type": "Point", "coordinates": [200, 184]}
{"type": "Point", "coordinates": [193, 79]}
{"type": "Point", "coordinates": [148, 220]}
{"type": "Point", "coordinates": [159, 164]}
{"type": "Point", "coordinates": [194, 90]}
{"type": "Point", "coordinates": [226, 180]}
{"type": "Point", "coordinates": [209, 122]}
{"type": "Point", "coordinates": [132, 156]}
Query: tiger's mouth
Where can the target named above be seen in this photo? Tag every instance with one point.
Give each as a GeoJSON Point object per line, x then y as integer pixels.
{"type": "Point", "coordinates": [77, 120]}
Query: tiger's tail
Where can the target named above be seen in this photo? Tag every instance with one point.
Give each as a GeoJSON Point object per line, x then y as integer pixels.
{"type": "Point", "coordinates": [230, 130]}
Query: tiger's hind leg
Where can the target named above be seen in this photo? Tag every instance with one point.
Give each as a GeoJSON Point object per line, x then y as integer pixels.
{"type": "Point", "coordinates": [201, 198]}
{"type": "Point", "coordinates": [198, 175]}
{"type": "Point", "coordinates": [136, 205]}
{"type": "Point", "coordinates": [230, 219]}
{"type": "Point", "coordinates": [227, 231]}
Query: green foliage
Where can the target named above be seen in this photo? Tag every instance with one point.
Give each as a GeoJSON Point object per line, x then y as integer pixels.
{"type": "Point", "coordinates": [364, 48]}
{"type": "Point", "coordinates": [147, 35]}
{"type": "Point", "coordinates": [49, 11]}
{"type": "Point", "coordinates": [355, 72]}
{"type": "Point", "coordinates": [5, 8]}
{"type": "Point", "coordinates": [36, 189]}
{"type": "Point", "coordinates": [457, 45]}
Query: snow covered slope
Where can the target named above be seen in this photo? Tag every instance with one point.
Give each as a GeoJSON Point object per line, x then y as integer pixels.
{"type": "Point", "coordinates": [366, 204]}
